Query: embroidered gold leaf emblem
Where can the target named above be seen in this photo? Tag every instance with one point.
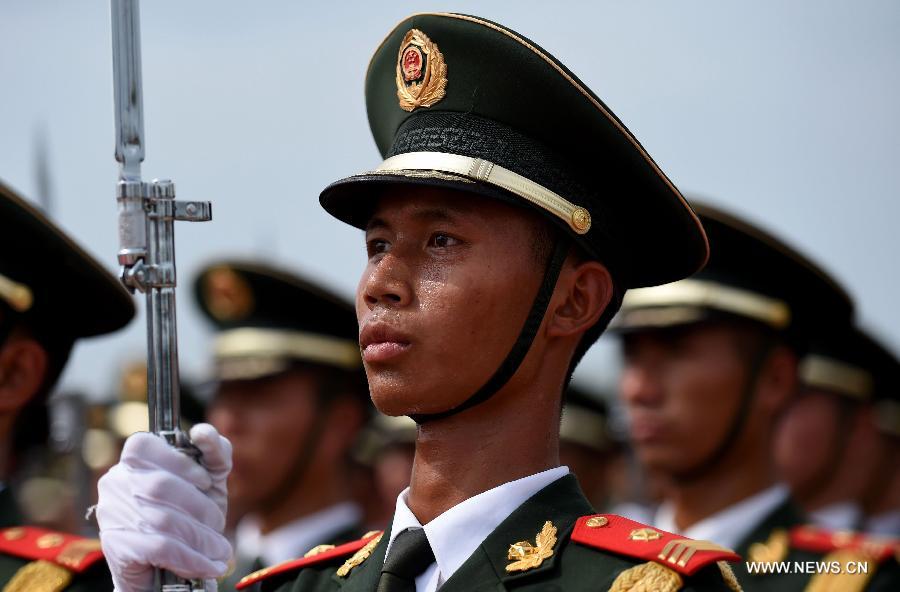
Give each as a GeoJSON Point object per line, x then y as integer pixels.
{"type": "Point", "coordinates": [421, 72]}
{"type": "Point", "coordinates": [358, 557]}
{"type": "Point", "coordinates": [773, 550]}
{"type": "Point", "coordinates": [526, 556]}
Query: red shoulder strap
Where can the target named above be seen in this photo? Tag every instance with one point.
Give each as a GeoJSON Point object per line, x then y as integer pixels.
{"type": "Point", "coordinates": [820, 540]}
{"type": "Point", "coordinates": [73, 552]}
{"type": "Point", "coordinates": [319, 554]}
{"type": "Point", "coordinates": [620, 535]}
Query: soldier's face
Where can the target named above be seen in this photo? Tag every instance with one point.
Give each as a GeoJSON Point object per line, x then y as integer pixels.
{"type": "Point", "coordinates": [807, 438]}
{"type": "Point", "coordinates": [681, 389]}
{"type": "Point", "coordinates": [449, 281]}
{"type": "Point", "coordinates": [267, 422]}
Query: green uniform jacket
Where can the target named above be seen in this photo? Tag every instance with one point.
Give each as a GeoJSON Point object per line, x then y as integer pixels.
{"type": "Point", "coordinates": [95, 579]}
{"type": "Point", "coordinates": [243, 568]}
{"type": "Point", "coordinates": [573, 567]}
{"type": "Point", "coordinates": [784, 518]}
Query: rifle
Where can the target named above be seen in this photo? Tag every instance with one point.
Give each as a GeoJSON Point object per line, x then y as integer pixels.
{"type": "Point", "coordinates": [147, 212]}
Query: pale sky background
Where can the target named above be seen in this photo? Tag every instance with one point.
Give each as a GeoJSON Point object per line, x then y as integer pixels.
{"type": "Point", "coordinates": [785, 112]}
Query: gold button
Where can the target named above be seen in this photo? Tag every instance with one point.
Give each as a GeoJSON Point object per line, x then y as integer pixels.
{"type": "Point", "coordinates": [14, 534]}
{"type": "Point", "coordinates": [597, 522]}
{"type": "Point", "coordinates": [581, 220]}
{"type": "Point", "coordinates": [48, 541]}
{"type": "Point", "coordinates": [644, 534]}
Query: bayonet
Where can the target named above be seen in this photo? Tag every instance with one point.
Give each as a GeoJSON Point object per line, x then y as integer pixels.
{"type": "Point", "coordinates": [147, 212]}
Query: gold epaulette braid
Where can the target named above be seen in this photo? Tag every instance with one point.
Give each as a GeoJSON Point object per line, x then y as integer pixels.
{"type": "Point", "coordinates": [647, 577]}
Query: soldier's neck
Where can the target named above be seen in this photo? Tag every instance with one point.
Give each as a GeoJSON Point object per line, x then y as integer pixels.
{"type": "Point", "coordinates": [513, 435]}
{"type": "Point", "coordinates": [317, 492]}
{"type": "Point", "coordinates": [739, 475]}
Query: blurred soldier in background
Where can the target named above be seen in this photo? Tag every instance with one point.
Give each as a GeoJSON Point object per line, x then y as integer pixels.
{"type": "Point", "coordinates": [586, 445]}
{"type": "Point", "coordinates": [881, 502]}
{"type": "Point", "coordinates": [391, 448]}
{"type": "Point", "coordinates": [827, 444]}
{"type": "Point", "coordinates": [51, 294]}
{"type": "Point", "coordinates": [710, 364]}
{"type": "Point", "coordinates": [125, 412]}
{"type": "Point", "coordinates": [291, 397]}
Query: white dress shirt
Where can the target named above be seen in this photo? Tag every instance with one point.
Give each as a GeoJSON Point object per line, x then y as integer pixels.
{"type": "Point", "coordinates": [458, 532]}
{"type": "Point", "coordinates": [728, 527]}
{"type": "Point", "coordinates": [885, 524]}
{"type": "Point", "coordinates": [295, 538]}
{"type": "Point", "coordinates": [846, 515]}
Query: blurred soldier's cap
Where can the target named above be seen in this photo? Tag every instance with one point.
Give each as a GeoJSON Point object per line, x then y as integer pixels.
{"type": "Point", "coordinates": [855, 364]}
{"type": "Point", "coordinates": [585, 420]}
{"type": "Point", "coordinates": [750, 275]}
{"type": "Point", "coordinates": [844, 361]}
{"type": "Point", "coordinates": [50, 282]}
{"type": "Point", "coordinates": [383, 432]}
{"type": "Point", "coordinates": [460, 102]}
{"type": "Point", "coordinates": [268, 319]}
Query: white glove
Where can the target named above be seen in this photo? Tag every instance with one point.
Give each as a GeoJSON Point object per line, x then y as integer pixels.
{"type": "Point", "coordinates": [159, 508]}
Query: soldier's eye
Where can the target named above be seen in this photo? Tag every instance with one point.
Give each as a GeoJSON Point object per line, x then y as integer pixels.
{"type": "Point", "coordinates": [442, 241]}
{"type": "Point", "coordinates": [377, 246]}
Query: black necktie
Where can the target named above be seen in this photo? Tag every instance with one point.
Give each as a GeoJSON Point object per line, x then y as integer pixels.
{"type": "Point", "coordinates": [410, 555]}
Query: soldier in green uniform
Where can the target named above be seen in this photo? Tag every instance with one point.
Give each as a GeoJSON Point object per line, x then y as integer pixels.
{"type": "Point", "coordinates": [881, 500]}
{"type": "Point", "coordinates": [291, 396]}
{"type": "Point", "coordinates": [52, 293]}
{"type": "Point", "coordinates": [711, 362]}
{"type": "Point", "coordinates": [827, 442]}
{"type": "Point", "coordinates": [511, 214]}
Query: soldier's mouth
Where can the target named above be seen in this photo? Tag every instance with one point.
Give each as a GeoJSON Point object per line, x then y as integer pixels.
{"type": "Point", "coordinates": [380, 342]}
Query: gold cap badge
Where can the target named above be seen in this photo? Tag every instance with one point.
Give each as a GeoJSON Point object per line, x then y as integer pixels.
{"type": "Point", "coordinates": [421, 72]}
{"type": "Point", "coordinates": [228, 296]}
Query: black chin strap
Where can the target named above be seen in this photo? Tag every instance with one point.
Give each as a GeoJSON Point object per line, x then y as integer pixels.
{"type": "Point", "coordinates": [522, 345]}
{"type": "Point", "coordinates": [303, 458]}
{"type": "Point", "coordinates": [738, 421]}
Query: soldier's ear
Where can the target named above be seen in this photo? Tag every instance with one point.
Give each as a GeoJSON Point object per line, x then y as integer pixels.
{"type": "Point", "coordinates": [583, 291]}
{"type": "Point", "coordinates": [23, 367]}
{"type": "Point", "coordinates": [778, 380]}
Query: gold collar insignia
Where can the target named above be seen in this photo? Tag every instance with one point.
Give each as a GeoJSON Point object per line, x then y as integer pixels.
{"type": "Point", "coordinates": [358, 557]}
{"type": "Point", "coordinates": [526, 556]}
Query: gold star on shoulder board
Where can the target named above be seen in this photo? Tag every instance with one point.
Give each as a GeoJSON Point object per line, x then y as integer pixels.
{"type": "Point", "coordinates": [526, 556]}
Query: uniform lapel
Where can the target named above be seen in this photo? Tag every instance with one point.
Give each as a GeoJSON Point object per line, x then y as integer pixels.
{"type": "Point", "coordinates": [785, 516]}
{"type": "Point", "coordinates": [9, 509]}
{"type": "Point", "coordinates": [560, 503]}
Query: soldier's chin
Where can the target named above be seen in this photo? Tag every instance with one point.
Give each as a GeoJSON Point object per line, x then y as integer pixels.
{"type": "Point", "coordinates": [659, 459]}
{"type": "Point", "coordinates": [396, 398]}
